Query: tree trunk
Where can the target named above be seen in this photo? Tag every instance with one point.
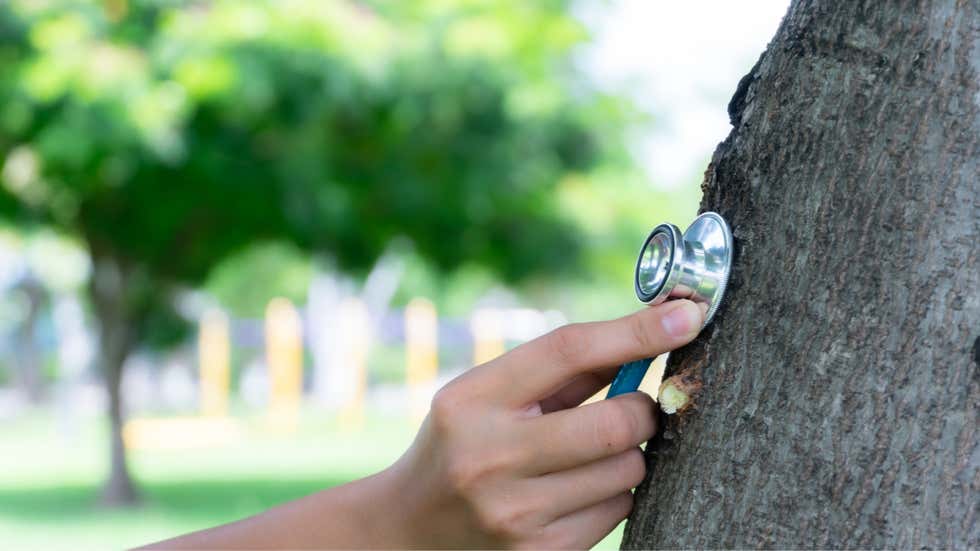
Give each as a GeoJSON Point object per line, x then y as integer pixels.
{"type": "Point", "coordinates": [116, 337]}
{"type": "Point", "coordinates": [841, 381]}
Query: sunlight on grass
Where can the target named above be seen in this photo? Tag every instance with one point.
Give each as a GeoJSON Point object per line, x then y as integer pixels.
{"type": "Point", "coordinates": [49, 485]}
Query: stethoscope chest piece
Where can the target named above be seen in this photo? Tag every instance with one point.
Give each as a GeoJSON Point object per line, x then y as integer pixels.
{"type": "Point", "coordinates": [694, 265]}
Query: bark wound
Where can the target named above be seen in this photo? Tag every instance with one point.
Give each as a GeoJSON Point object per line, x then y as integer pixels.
{"type": "Point", "coordinates": [678, 392]}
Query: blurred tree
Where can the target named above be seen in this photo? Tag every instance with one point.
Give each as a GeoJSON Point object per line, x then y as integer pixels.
{"type": "Point", "coordinates": [169, 135]}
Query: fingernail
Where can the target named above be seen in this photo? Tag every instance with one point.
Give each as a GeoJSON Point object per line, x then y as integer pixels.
{"type": "Point", "coordinates": [683, 320]}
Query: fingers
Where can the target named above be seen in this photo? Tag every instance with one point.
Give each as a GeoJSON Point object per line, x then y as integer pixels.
{"type": "Point", "coordinates": [538, 368]}
{"type": "Point", "coordinates": [586, 527]}
{"type": "Point", "coordinates": [579, 389]}
{"type": "Point", "coordinates": [589, 484]}
{"type": "Point", "coordinates": [572, 437]}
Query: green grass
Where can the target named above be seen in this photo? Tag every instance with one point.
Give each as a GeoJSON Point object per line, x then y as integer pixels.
{"type": "Point", "coordinates": [49, 485]}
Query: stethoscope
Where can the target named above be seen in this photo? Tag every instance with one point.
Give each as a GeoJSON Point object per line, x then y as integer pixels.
{"type": "Point", "coordinates": [670, 265]}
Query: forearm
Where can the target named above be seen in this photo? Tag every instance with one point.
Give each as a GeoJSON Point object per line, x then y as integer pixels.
{"type": "Point", "coordinates": [362, 514]}
{"type": "Point", "coordinates": [508, 456]}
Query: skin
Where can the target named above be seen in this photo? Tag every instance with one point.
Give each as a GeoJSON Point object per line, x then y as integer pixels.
{"type": "Point", "coordinates": [507, 457]}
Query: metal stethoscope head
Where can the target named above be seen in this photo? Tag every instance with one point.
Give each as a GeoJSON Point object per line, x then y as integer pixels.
{"type": "Point", "coordinates": [694, 265]}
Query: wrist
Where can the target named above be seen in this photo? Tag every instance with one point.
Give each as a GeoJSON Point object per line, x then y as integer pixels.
{"type": "Point", "coordinates": [372, 512]}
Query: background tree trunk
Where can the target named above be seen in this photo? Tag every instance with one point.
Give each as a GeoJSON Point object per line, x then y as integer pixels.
{"type": "Point", "coordinates": [109, 292]}
{"type": "Point", "coordinates": [841, 377]}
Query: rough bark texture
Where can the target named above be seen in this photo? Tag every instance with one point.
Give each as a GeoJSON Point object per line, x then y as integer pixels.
{"type": "Point", "coordinates": [841, 381]}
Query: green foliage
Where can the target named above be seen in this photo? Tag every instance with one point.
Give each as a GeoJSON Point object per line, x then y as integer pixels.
{"type": "Point", "coordinates": [171, 135]}
{"type": "Point", "coordinates": [246, 281]}
{"type": "Point", "coordinates": [629, 209]}
{"type": "Point", "coordinates": [162, 328]}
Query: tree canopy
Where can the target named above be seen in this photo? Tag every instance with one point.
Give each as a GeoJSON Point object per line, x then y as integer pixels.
{"type": "Point", "coordinates": [172, 134]}
{"type": "Point", "coordinates": [168, 135]}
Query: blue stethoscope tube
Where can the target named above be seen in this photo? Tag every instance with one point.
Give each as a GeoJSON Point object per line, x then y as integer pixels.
{"type": "Point", "coordinates": [629, 377]}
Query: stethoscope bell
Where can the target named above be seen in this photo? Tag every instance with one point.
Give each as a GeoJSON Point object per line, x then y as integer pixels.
{"type": "Point", "coordinates": [694, 266]}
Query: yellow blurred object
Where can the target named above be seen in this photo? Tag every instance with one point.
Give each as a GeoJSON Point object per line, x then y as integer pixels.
{"type": "Point", "coordinates": [284, 356]}
{"type": "Point", "coordinates": [355, 332]}
{"type": "Point", "coordinates": [180, 433]}
{"type": "Point", "coordinates": [421, 354]}
{"type": "Point", "coordinates": [488, 341]}
{"type": "Point", "coordinates": [654, 376]}
{"type": "Point", "coordinates": [213, 352]}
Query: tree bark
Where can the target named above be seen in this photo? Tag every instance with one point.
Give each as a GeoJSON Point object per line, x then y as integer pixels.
{"type": "Point", "coordinates": [108, 290]}
{"type": "Point", "coordinates": [841, 382]}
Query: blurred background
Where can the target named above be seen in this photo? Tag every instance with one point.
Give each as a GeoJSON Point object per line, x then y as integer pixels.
{"type": "Point", "coordinates": [242, 243]}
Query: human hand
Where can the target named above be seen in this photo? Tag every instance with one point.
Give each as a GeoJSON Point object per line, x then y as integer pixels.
{"type": "Point", "coordinates": [506, 459]}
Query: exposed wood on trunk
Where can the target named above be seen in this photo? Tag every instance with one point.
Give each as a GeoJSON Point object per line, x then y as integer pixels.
{"type": "Point", "coordinates": [841, 377]}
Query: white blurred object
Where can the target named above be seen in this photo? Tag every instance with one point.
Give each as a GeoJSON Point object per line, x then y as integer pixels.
{"type": "Point", "coordinates": [140, 389]}
{"type": "Point", "coordinates": [178, 386]}
{"type": "Point", "coordinates": [62, 264]}
{"type": "Point", "coordinates": [76, 349]}
{"type": "Point", "coordinates": [76, 344]}
{"type": "Point", "coordinates": [524, 324]}
{"type": "Point", "coordinates": [382, 283]}
{"type": "Point", "coordinates": [253, 386]}
{"type": "Point", "coordinates": [680, 61]}
{"type": "Point", "coordinates": [12, 261]}
{"type": "Point", "coordinates": [355, 337]}
{"type": "Point", "coordinates": [322, 319]}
